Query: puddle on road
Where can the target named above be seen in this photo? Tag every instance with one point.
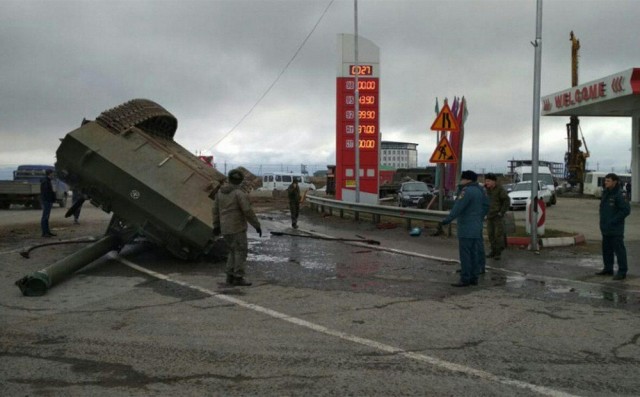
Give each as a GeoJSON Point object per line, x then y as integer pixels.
{"type": "Point", "coordinates": [304, 263]}
{"type": "Point", "coordinates": [574, 290]}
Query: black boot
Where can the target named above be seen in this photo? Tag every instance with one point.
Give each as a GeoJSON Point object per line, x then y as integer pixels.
{"type": "Point", "coordinates": [230, 279]}
{"type": "Point", "coordinates": [241, 282]}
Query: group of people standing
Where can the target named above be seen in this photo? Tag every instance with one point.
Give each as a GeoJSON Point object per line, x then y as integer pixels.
{"type": "Point", "coordinates": [473, 204]}
{"type": "Point", "coordinates": [232, 212]}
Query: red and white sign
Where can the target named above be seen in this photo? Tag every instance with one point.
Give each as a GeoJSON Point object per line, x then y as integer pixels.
{"type": "Point", "coordinates": [368, 134]}
{"type": "Point", "coordinates": [626, 83]}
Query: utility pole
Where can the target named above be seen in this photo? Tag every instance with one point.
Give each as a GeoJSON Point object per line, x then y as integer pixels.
{"type": "Point", "coordinates": [536, 127]}
{"type": "Point", "coordinates": [357, 99]}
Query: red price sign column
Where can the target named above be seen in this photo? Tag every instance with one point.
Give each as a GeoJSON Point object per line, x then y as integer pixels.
{"type": "Point", "coordinates": [368, 89]}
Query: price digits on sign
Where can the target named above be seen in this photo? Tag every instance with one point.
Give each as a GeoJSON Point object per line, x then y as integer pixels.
{"type": "Point", "coordinates": [367, 143]}
{"type": "Point", "coordinates": [367, 129]}
{"type": "Point", "coordinates": [367, 114]}
{"type": "Point", "coordinates": [367, 99]}
{"type": "Point", "coordinates": [364, 143]}
{"type": "Point", "coordinates": [363, 85]}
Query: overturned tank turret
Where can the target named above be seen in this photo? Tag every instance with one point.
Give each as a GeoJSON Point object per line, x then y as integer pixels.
{"type": "Point", "coordinates": [128, 164]}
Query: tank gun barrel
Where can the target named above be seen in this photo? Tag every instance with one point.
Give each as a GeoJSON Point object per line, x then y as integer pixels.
{"type": "Point", "coordinates": [37, 283]}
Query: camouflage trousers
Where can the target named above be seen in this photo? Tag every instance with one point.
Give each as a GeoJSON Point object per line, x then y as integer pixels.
{"type": "Point", "coordinates": [294, 207]}
{"type": "Point", "coordinates": [495, 231]}
{"type": "Point", "coordinates": [238, 249]}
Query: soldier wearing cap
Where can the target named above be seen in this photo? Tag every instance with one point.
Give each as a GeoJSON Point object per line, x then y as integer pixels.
{"type": "Point", "coordinates": [293, 193]}
{"type": "Point", "coordinates": [231, 212]}
{"type": "Point", "coordinates": [470, 208]}
{"type": "Point", "coordinates": [498, 206]}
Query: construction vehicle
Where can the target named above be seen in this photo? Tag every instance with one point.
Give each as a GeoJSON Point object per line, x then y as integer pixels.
{"type": "Point", "coordinates": [575, 159]}
{"type": "Point", "coordinates": [128, 164]}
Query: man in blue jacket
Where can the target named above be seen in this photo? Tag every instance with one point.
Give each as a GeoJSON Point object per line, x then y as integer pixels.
{"type": "Point", "coordinates": [471, 206]}
{"type": "Point", "coordinates": [613, 210]}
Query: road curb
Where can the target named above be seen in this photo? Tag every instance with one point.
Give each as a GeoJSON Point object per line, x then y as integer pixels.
{"type": "Point", "coordinates": [548, 242]}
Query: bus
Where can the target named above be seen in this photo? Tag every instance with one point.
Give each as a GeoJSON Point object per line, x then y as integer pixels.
{"type": "Point", "coordinates": [594, 182]}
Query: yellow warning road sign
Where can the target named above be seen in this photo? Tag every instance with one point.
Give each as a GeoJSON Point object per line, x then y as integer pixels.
{"type": "Point", "coordinates": [443, 153]}
{"type": "Point", "coordinates": [445, 121]}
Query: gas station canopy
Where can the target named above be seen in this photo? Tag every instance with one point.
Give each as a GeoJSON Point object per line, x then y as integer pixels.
{"type": "Point", "coordinates": [617, 95]}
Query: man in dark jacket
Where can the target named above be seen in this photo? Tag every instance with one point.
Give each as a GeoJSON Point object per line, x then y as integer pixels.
{"type": "Point", "coordinates": [498, 206]}
{"type": "Point", "coordinates": [47, 198]}
{"type": "Point", "coordinates": [613, 210]}
{"type": "Point", "coordinates": [470, 208]}
{"type": "Point", "coordinates": [231, 212]}
{"type": "Point", "coordinates": [293, 193]}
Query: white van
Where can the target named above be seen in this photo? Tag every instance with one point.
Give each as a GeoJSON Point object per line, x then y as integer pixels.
{"type": "Point", "coordinates": [594, 182]}
{"type": "Point", "coordinates": [282, 180]}
{"type": "Point", "coordinates": [523, 173]}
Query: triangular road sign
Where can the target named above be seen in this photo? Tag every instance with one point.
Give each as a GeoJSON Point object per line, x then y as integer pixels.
{"type": "Point", "coordinates": [443, 153]}
{"type": "Point", "coordinates": [445, 121]}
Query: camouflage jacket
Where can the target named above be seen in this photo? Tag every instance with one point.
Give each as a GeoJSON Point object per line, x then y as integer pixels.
{"type": "Point", "coordinates": [232, 210]}
{"type": "Point", "coordinates": [499, 201]}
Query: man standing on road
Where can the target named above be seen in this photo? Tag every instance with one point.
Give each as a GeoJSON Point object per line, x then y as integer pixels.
{"type": "Point", "coordinates": [498, 205]}
{"type": "Point", "coordinates": [470, 208]}
{"type": "Point", "coordinates": [47, 198]}
{"type": "Point", "coordinates": [231, 212]}
{"type": "Point", "coordinates": [613, 210]}
{"type": "Point", "coordinates": [293, 192]}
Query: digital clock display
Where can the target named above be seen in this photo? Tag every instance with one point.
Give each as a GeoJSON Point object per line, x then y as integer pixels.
{"type": "Point", "coordinates": [360, 70]}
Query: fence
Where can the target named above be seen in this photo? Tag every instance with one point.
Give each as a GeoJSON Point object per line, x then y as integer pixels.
{"type": "Point", "coordinates": [324, 205]}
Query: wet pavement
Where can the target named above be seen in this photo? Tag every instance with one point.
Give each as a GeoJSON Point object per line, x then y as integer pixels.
{"type": "Point", "coordinates": [565, 273]}
{"type": "Point", "coordinates": [322, 318]}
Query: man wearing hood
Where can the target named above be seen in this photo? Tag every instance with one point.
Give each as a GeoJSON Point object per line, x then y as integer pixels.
{"type": "Point", "coordinates": [231, 212]}
{"type": "Point", "coordinates": [470, 208]}
{"type": "Point", "coordinates": [613, 210]}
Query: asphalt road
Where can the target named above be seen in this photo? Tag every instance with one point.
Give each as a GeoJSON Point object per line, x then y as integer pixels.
{"type": "Point", "coordinates": [322, 318]}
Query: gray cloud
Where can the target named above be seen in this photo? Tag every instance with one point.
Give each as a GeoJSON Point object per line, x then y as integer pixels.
{"type": "Point", "coordinates": [208, 62]}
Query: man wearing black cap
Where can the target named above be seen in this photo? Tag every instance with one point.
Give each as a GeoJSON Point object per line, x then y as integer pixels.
{"type": "Point", "coordinates": [470, 208]}
{"type": "Point", "coordinates": [231, 212]}
{"type": "Point", "coordinates": [498, 206]}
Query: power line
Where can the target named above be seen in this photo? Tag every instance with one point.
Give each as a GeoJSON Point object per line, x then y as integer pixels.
{"type": "Point", "coordinates": [275, 81]}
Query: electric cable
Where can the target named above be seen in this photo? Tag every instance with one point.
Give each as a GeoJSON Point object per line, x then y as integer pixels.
{"type": "Point", "coordinates": [275, 81]}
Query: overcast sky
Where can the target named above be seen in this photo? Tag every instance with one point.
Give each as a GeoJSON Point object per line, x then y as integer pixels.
{"type": "Point", "coordinates": [209, 62]}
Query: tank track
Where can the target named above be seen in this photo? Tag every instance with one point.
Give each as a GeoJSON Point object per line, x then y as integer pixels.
{"type": "Point", "coordinates": [141, 113]}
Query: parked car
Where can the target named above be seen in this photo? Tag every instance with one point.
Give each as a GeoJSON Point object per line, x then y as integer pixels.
{"type": "Point", "coordinates": [522, 191]}
{"type": "Point", "coordinates": [508, 187]}
{"type": "Point", "coordinates": [411, 193]}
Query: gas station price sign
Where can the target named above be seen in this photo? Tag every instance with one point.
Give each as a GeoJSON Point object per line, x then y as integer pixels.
{"type": "Point", "coordinates": [367, 113]}
{"type": "Point", "coordinates": [367, 70]}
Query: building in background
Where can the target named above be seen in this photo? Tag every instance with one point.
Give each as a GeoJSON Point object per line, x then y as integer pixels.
{"type": "Point", "coordinates": [398, 154]}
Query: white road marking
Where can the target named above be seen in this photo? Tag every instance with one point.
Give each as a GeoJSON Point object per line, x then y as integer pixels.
{"type": "Point", "coordinates": [447, 365]}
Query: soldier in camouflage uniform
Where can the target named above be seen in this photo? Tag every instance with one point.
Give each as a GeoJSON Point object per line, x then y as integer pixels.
{"type": "Point", "coordinates": [231, 212]}
{"type": "Point", "coordinates": [499, 202]}
{"type": "Point", "coordinates": [293, 192]}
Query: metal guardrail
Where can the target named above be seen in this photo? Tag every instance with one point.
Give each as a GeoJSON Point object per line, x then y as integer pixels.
{"type": "Point", "coordinates": [408, 214]}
